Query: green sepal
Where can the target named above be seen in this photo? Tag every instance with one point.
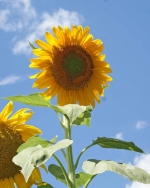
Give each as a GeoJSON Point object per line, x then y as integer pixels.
{"type": "Point", "coordinates": [47, 185]}
{"type": "Point", "coordinates": [81, 177]}
{"type": "Point", "coordinates": [31, 45]}
{"type": "Point", "coordinates": [116, 144]}
{"type": "Point", "coordinates": [93, 166]}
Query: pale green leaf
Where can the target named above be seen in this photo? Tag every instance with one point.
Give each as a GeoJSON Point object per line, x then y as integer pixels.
{"type": "Point", "coordinates": [94, 166]}
{"type": "Point", "coordinates": [32, 157]}
{"type": "Point", "coordinates": [116, 144]}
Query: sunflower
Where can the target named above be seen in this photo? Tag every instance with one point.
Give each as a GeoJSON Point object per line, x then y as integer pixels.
{"type": "Point", "coordinates": [13, 133]}
{"type": "Point", "coordinates": [72, 66]}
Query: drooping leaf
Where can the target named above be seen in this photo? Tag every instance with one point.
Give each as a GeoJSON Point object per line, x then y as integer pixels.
{"type": "Point", "coordinates": [32, 157]}
{"type": "Point", "coordinates": [72, 111]}
{"type": "Point", "coordinates": [116, 144]}
{"type": "Point", "coordinates": [47, 185]}
{"type": "Point", "coordinates": [84, 118]}
{"type": "Point", "coordinates": [81, 177]}
{"type": "Point", "coordinates": [34, 141]}
{"type": "Point", "coordinates": [94, 166]}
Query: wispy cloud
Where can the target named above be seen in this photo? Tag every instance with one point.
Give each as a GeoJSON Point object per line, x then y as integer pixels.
{"type": "Point", "coordinates": [142, 161]}
{"type": "Point", "coordinates": [12, 79]}
{"type": "Point", "coordinates": [141, 124]}
{"type": "Point", "coordinates": [20, 15]}
{"type": "Point", "coordinates": [119, 136]}
{"type": "Point", "coordinates": [16, 14]}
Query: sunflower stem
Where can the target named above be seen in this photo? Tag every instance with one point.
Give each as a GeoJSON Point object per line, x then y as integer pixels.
{"type": "Point", "coordinates": [69, 154]}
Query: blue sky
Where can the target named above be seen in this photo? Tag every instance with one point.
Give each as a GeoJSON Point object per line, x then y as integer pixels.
{"type": "Point", "coordinates": [124, 112]}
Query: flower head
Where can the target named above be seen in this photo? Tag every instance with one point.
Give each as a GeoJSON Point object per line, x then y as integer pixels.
{"type": "Point", "coordinates": [72, 66]}
{"type": "Point", "coordinates": [13, 133]}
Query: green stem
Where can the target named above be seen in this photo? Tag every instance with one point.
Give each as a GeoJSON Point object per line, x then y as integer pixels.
{"type": "Point", "coordinates": [88, 182]}
{"type": "Point", "coordinates": [63, 169]}
{"type": "Point", "coordinates": [77, 161]}
{"type": "Point", "coordinates": [69, 155]}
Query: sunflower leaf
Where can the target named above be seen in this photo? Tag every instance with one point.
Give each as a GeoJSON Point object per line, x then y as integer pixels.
{"type": "Point", "coordinates": [116, 144]}
{"type": "Point", "coordinates": [32, 157]}
{"type": "Point", "coordinates": [77, 115]}
{"type": "Point", "coordinates": [34, 99]}
{"type": "Point", "coordinates": [81, 177]}
{"type": "Point", "coordinates": [93, 166]}
{"type": "Point", "coordinates": [84, 118]}
{"type": "Point", "coordinates": [34, 141]}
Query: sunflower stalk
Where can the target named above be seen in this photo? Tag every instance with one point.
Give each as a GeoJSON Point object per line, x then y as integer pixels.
{"type": "Point", "coordinates": [69, 154]}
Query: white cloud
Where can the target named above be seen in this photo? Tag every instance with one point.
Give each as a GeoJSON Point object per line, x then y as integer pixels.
{"type": "Point", "coordinates": [9, 80]}
{"type": "Point", "coordinates": [142, 161]}
{"type": "Point", "coordinates": [61, 17]}
{"type": "Point", "coordinates": [141, 124]}
{"type": "Point", "coordinates": [119, 136]}
{"type": "Point", "coordinates": [16, 14]}
{"type": "Point", "coordinates": [20, 15]}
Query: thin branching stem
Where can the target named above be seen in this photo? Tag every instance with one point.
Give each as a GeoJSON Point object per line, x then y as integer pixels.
{"type": "Point", "coordinates": [77, 161]}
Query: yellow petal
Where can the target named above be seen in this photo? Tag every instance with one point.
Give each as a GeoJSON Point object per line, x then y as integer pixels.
{"type": "Point", "coordinates": [20, 181]}
{"type": "Point", "coordinates": [6, 183]}
{"type": "Point", "coordinates": [7, 111]}
{"type": "Point", "coordinates": [11, 182]}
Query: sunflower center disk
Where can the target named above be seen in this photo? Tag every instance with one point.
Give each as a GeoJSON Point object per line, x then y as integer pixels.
{"type": "Point", "coordinates": [72, 67]}
{"type": "Point", "coordinates": [10, 140]}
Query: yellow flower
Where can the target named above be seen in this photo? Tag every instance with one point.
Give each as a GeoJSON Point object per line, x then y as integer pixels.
{"type": "Point", "coordinates": [72, 65]}
{"type": "Point", "coordinates": [14, 132]}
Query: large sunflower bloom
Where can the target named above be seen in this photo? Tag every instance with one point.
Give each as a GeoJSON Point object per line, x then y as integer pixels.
{"type": "Point", "coordinates": [72, 65]}
{"type": "Point", "coordinates": [13, 133]}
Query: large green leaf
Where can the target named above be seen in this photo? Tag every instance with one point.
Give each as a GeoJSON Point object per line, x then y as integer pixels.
{"type": "Point", "coordinates": [116, 144]}
{"type": "Point", "coordinates": [77, 115]}
{"type": "Point", "coordinates": [81, 177]}
{"type": "Point", "coordinates": [32, 157]}
{"type": "Point", "coordinates": [34, 141]}
{"type": "Point", "coordinates": [94, 166]}
{"type": "Point", "coordinates": [47, 185]}
{"type": "Point", "coordinates": [35, 99]}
